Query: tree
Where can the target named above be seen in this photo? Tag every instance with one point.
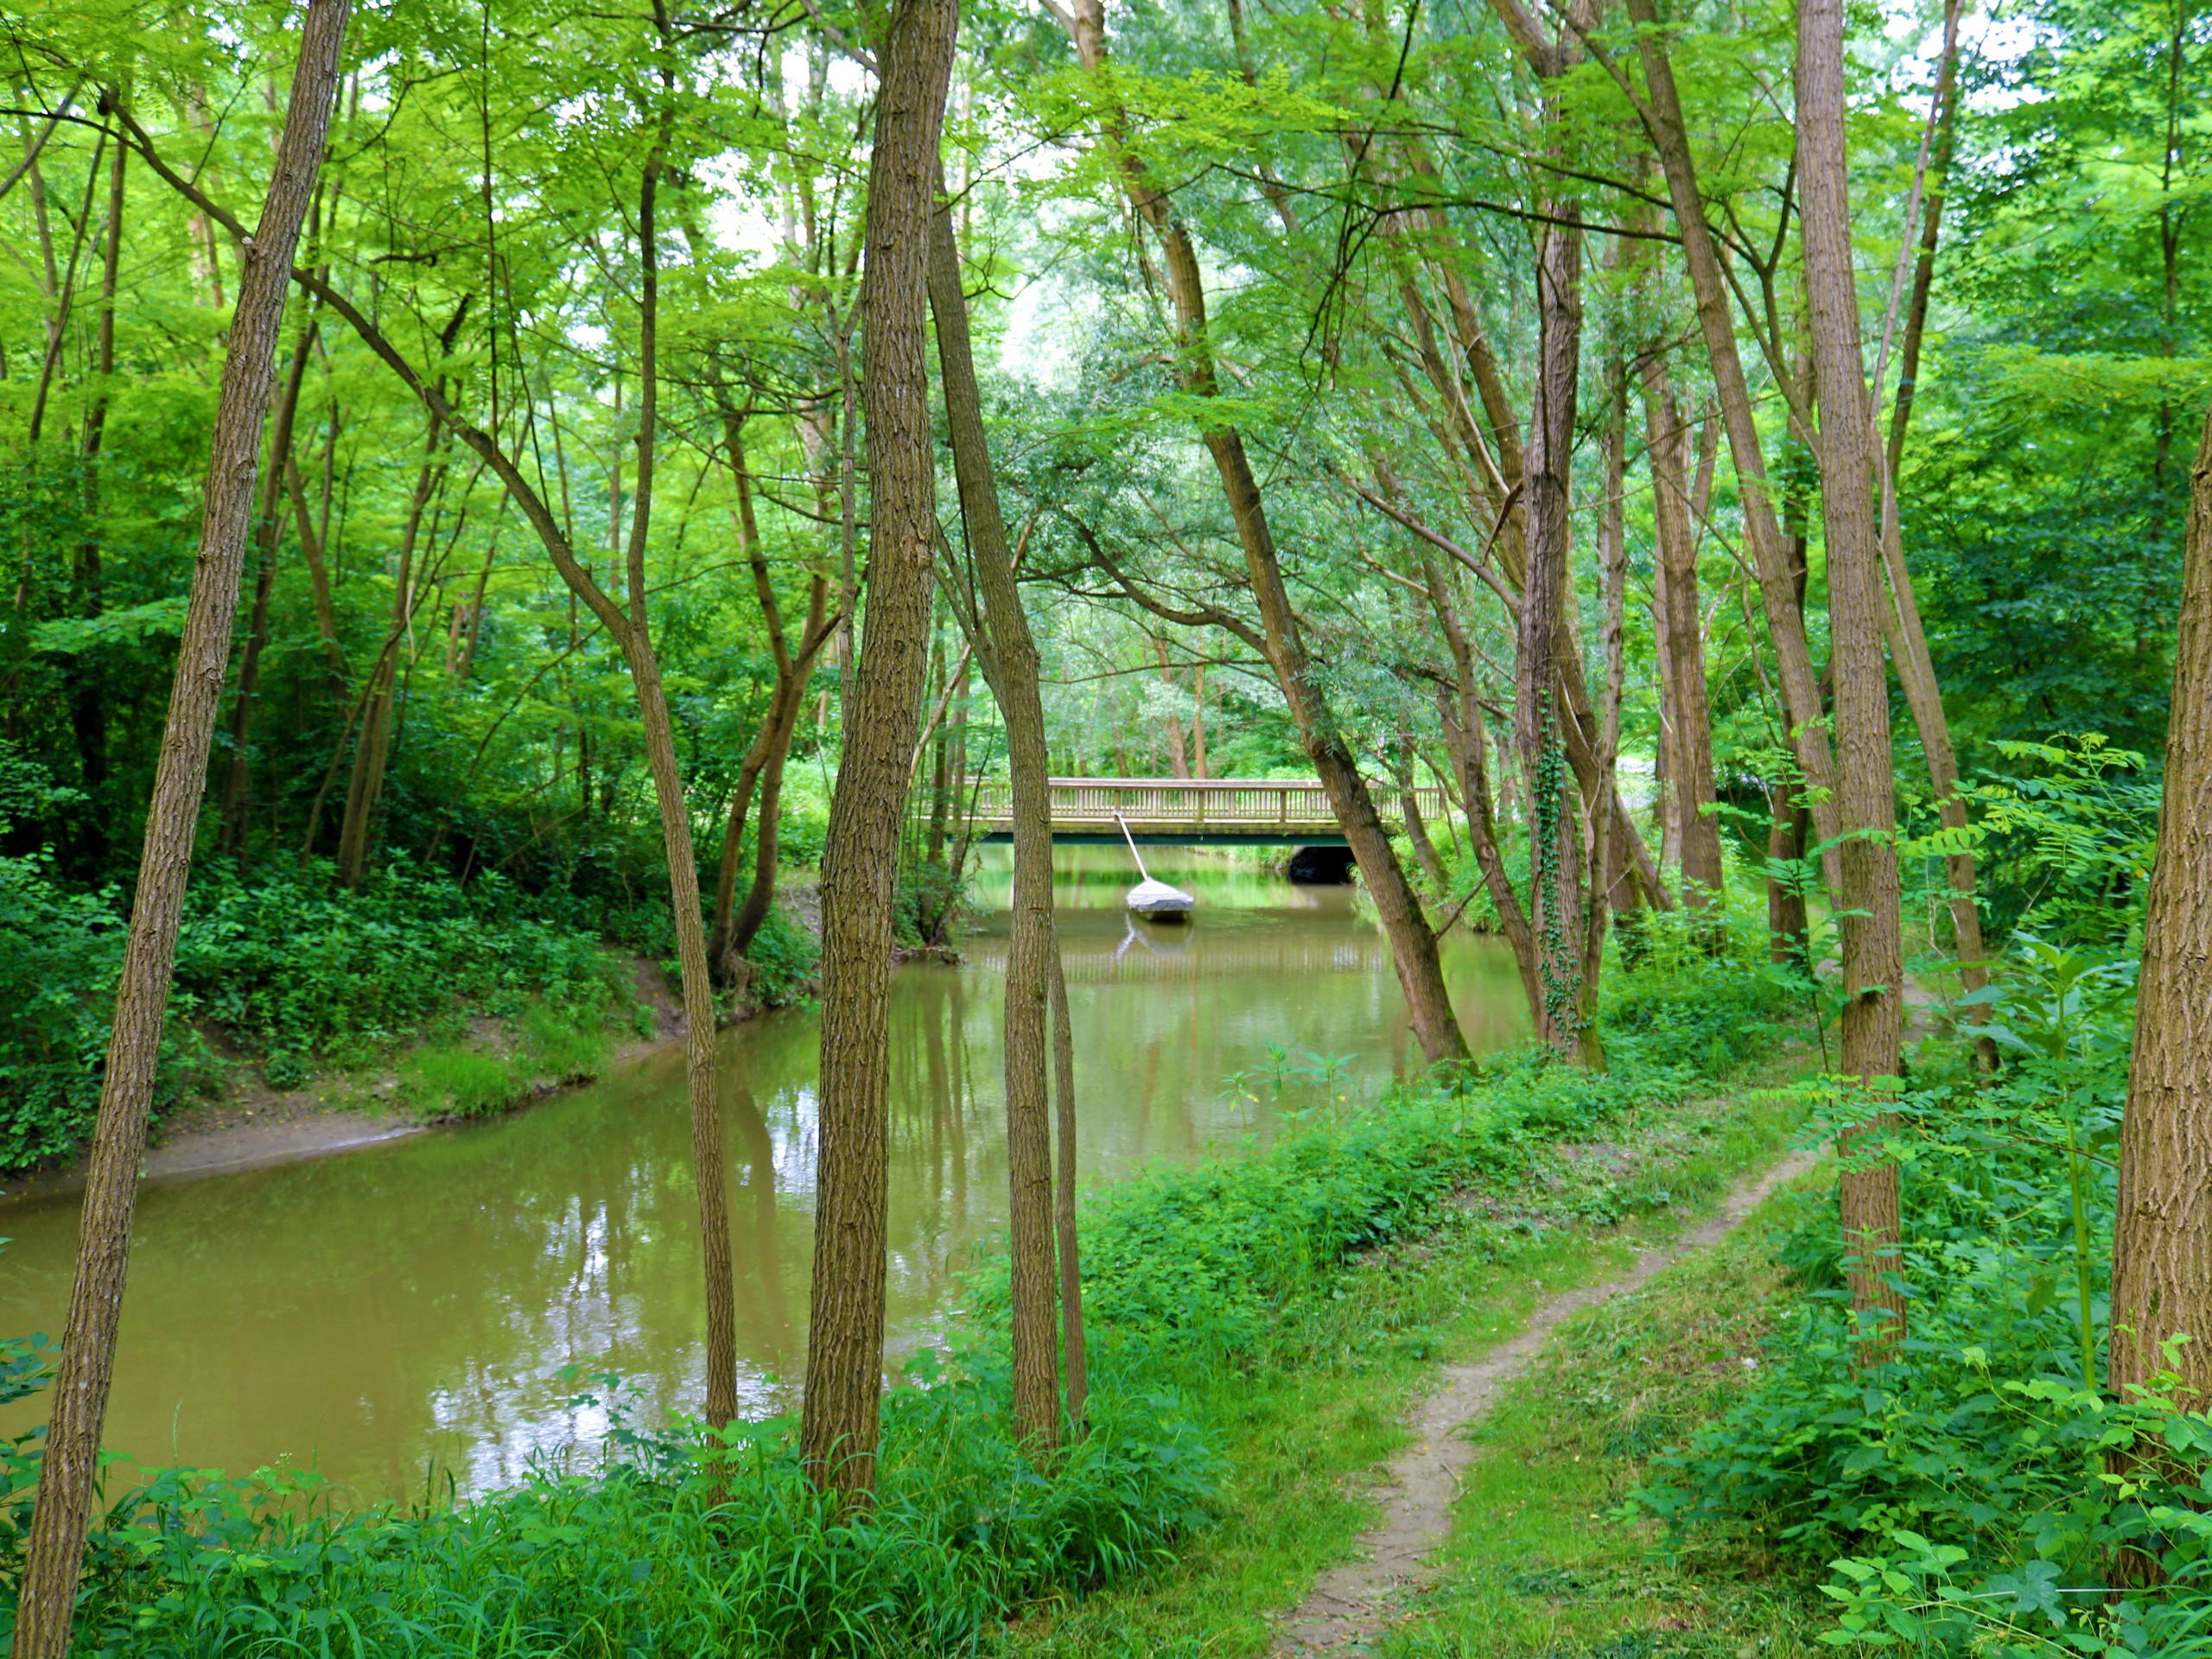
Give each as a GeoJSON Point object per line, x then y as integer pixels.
{"type": "Point", "coordinates": [69, 1466]}
{"type": "Point", "coordinates": [1009, 655]}
{"type": "Point", "coordinates": [844, 1350]}
{"type": "Point", "coordinates": [2162, 1231]}
{"type": "Point", "coordinates": [1867, 901]}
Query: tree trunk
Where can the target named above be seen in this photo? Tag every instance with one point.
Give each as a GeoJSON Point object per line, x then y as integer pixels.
{"type": "Point", "coordinates": [372, 749]}
{"type": "Point", "coordinates": [735, 925]}
{"type": "Point", "coordinates": [2162, 1234]}
{"type": "Point", "coordinates": [1556, 912]}
{"type": "Point", "coordinates": [268, 532]}
{"type": "Point", "coordinates": [630, 631]}
{"type": "Point", "coordinates": [711, 1170]}
{"type": "Point", "coordinates": [1011, 663]}
{"type": "Point", "coordinates": [1916, 664]}
{"type": "Point", "coordinates": [1868, 916]}
{"type": "Point", "coordinates": [844, 1356]}
{"type": "Point", "coordinates": [1800, 696]}
{"type": "Point", "coordinates": [1425, 853]}
{"type": "Point", "coordinates": [1460, 711]}
{"type": "Point", "coordinates": [1072, 1339]}
{"type": "Point", "coordinates": [1689, 733]}
{"type": "Point", "coordinates": [1788, 833]}
{"type": "Point", "coordinates": [1178, 760]}
{"type": "Point", "coordinates": [1612, 565]}
{"type": "Point", "coordinates": [87, 693]}
{"type": "Point", "coordinates": [1413, 943]}
{"type": "Point", "coordinates": [53, 1555]}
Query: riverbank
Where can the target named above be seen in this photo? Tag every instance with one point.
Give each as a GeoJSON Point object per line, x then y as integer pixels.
{"type": "Point", "coordinates": [250, 1109]}
{"type": "Point", "coordinates": [1321, 1270]}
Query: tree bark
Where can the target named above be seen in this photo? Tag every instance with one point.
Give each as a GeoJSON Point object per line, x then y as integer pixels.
{"type": "Point", "coordinates": [2162, 1234]}
{"type": "Point", "coordinates": [1074, 1343]}
{"type": "Point", "coordinates": [1555, 911]}
{"type": "Point", "coordinates": [734, 925]}
{"type": "Point", "coordinates": [629, 631]}
{"type": "Point", "coordinates": [844, 1357]}
{"type": "Point", "coordinates": [1612, 566]}
{"type": "Point", "coordinates": [1916, 664]}
{"type": "Point", "coordinates": [1011, 663]}
{"type": "Point", "coordinates": [1868, 906]}
{"type": "Point", "coordinates": [1688, 732]}
{"type": "Point", "coordinates": [372, 749]}
{"type": "Point", "coordinates": [268, 531]}
{"type": "Point", "coordinates": [710, 1169]}
{"type": "Point", "coordinates": [48, 1599]}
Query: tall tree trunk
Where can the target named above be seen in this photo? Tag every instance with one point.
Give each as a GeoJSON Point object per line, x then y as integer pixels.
{"type": "Point", "coordinates": [629, 631]}
{"type": "Point", "coordinates": [1556, 887]}
{"type": "Point", "coordinates": [1011, 664]}
{"type": "Point", "coordinates": [1198, 722]}
{"type": "Point", "coordinates": [844, 1353]}
{"type": "Point", "coordinates": [734, 925]}
{"type": "Point", "coordinates": [1178, 760]}
{"type": "Point", "coordinates": [48, 1599]}
{"type": "Point", "coordinates": [1785, 617]}
{"type": "Point", "coordinates": [1460, 711]}
{"type": "Point", "coordinates": [1612, 565]}
{"type": "Point", "coordinates": [1916, 664]}
{"type": "Point", "coordinates": [1789, 834]}
{"type": "Point", "coordinates": [87, 693]}
{"type": "Point", "coordinates": [1413, 943]}
{"type": "Point", "coordinates": [2162, 1233]}
{"type": "Point", "coordinates": [1868, 908]}
{"type": "Point", "coordinates": [1073, 1342]}
{"type": "Point", "coordinates": [268, 532]}
{"type": "Point", "coordinates": [372, 749]}
{"type": "Point", "coordinates": [710, 1169]}
{"type": "Point", "coordinates": [1688, 735]}
{"type": "Point", "coordinates": [1425, 853]}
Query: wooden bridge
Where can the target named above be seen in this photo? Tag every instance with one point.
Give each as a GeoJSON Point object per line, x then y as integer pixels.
{"type": "Point", "coordinates": [1186, 811]}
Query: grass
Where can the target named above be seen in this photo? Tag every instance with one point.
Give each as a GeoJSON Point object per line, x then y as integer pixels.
{"type": "Point", "coordinates": [497, 1063]}
{"type": "Point", "coordinates": [1304, 1443]}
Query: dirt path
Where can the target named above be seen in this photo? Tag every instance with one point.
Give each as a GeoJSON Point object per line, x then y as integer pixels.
{"type": "Point", "coordinates": [1351, 1603]}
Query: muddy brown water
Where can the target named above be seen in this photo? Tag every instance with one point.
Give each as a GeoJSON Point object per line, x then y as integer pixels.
{"type": "Point", "coordinates": [431, 1309]}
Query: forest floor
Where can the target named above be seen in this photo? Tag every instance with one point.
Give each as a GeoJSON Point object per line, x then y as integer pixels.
{"type": "Point", "coordinates": [1467, 1508]}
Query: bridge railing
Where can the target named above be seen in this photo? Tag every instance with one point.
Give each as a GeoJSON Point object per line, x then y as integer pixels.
{"type": "Point", "coordinates": [1197, 804]}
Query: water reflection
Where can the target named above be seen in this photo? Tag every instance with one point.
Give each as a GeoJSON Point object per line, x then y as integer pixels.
{"type": "Point", "coordinates": [414, 1305]}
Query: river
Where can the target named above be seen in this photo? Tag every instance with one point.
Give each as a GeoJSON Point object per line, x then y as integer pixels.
{"type": "Point", "coordinates": [418, 1312]}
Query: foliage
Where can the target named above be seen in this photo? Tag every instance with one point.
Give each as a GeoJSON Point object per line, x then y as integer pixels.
{"type": "Point", "coordinates": [2071, 833]}
{"type": "Point", "coordinates": [59, 954]}
{"type": "Point", "coordinates": [308, 971]}
{"type": "Point", "coordinates": [784, 955]}
{"type": "Point", "coordinates": [1977, 1490]}
{"type": "Point", "coordinates": [300, 973]}
{"type": "Point", "coordinates": [691, 1543]}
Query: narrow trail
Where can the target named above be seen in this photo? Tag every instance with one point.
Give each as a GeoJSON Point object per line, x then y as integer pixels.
{"type": "Point", "coordinates": [1350, 1603]}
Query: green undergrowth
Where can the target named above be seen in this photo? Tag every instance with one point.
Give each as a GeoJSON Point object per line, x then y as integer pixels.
{"type": "Point", "coordinates": [1977, 1489]}
{"type": "Point", "coordinates": [474, 995]}
{"type": "Point", "coordinates": [1256, 1325]}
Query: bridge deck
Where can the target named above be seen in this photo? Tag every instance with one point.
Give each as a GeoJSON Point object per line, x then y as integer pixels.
{"type": "Point", "coordinates": [1183, 811]}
